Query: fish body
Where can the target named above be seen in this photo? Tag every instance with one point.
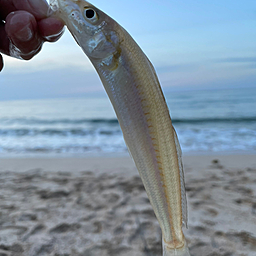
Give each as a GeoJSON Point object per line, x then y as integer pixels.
{"type": "Point", "coordinates": [136, 95]}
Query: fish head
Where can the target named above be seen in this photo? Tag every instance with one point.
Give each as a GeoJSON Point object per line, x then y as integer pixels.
{"type": "Point", "coordinates": [93, 30]}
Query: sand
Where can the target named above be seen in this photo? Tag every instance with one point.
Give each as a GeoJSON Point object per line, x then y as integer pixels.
{"type": "Point", "coordinates": [98, 206]}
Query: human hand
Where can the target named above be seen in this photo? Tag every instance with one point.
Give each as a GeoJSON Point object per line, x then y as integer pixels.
{"type": "Point", "coordinates": [24, 26]}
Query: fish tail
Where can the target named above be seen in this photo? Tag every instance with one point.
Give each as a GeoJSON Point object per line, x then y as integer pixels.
{"type": "Point", "coordinates": [167, 251]}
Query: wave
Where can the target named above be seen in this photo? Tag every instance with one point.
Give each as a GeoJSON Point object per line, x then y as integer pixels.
{"type": "Point", "coordinates": [111, 140]}
{"type": "Point", "coordinates": [114, 121]}
{"type": "Point", "coordinates": [57, 132]}
{"type": "Point", "coordinates": [35, 121]}
{"type": "Point", "coordinates": [215, 120]}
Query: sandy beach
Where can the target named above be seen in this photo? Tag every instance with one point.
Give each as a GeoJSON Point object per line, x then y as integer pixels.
{"type": "Point", "coordinates": [98, 206]}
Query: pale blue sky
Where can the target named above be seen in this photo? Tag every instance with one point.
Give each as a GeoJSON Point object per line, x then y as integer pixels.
{"type": "Point", "coordinates": [192, 44]}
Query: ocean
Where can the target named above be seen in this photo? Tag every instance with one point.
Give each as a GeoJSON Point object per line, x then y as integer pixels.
{"type": "Point", "coordinates": [207, 121]}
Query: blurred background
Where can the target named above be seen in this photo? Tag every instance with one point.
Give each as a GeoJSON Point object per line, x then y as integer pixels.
{"type": "Point", "coordinates": [204, 54]}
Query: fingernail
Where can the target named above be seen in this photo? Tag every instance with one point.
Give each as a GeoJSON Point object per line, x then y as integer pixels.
{"type": "Point", "coordinates": [19, 27]}
{"type": "Point", "coordinates": [25, 34]}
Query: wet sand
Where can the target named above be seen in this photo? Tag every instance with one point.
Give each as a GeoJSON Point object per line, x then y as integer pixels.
{"type": "Point", "coordinates": [98, 206]}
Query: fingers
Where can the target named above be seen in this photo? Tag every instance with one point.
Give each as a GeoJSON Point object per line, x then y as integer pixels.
{"type": "Point", "coordinates": [27, 26]}
{"type": "Point", "coordinates": [4, 42]}
{"type": "Point", "coordinates": [39, 8]}
{"type": "Point", "coordinates": [50, 29]}
{"type": "Point", "coordinates": [21, 28]}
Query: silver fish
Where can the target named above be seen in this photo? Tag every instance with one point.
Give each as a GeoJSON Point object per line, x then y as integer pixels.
{"type": "Point", "coordinates": [135, 93]}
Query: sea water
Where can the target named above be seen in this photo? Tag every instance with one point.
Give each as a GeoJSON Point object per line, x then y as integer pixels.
{"type": "Point", "coordinates": [207, 121]}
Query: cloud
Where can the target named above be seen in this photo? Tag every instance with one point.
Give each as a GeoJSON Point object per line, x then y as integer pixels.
{"type": "Point", "coordinates": [210, 74]}
{"type": "Point", "coordinates": [58, 83]}
{"type": "Point", "coordinates": [183, 67]}
{"type": "Point", "coordinates": [238, 60]}
{"type": "Point", "coordinates": [46, 62]}
{"type": "Point", "coordinates": [245, 63]}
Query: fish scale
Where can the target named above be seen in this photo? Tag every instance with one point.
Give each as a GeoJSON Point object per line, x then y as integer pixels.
{"type": "Point", "coordinates": [133, 88]}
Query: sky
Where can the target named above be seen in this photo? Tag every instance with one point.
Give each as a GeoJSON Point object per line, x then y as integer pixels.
{"type": "Point", "coordinates": [193, 44]}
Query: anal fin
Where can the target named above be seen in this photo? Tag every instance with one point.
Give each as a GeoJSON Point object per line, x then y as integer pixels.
{"type": "Point", "coordinates": [182, 181]}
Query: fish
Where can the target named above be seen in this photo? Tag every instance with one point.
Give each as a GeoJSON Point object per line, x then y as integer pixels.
{"type": "Point", "coordinates": [134, 90]}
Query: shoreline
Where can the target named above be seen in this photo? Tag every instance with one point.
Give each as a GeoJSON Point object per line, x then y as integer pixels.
{"type": "Point", "coordinates": [116, 154]}
{"type": "Point", "coordinates": [118, 163]}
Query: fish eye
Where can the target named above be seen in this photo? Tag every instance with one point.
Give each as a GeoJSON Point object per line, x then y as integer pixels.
{"type": "Point", "coordinates": [90, 14]}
